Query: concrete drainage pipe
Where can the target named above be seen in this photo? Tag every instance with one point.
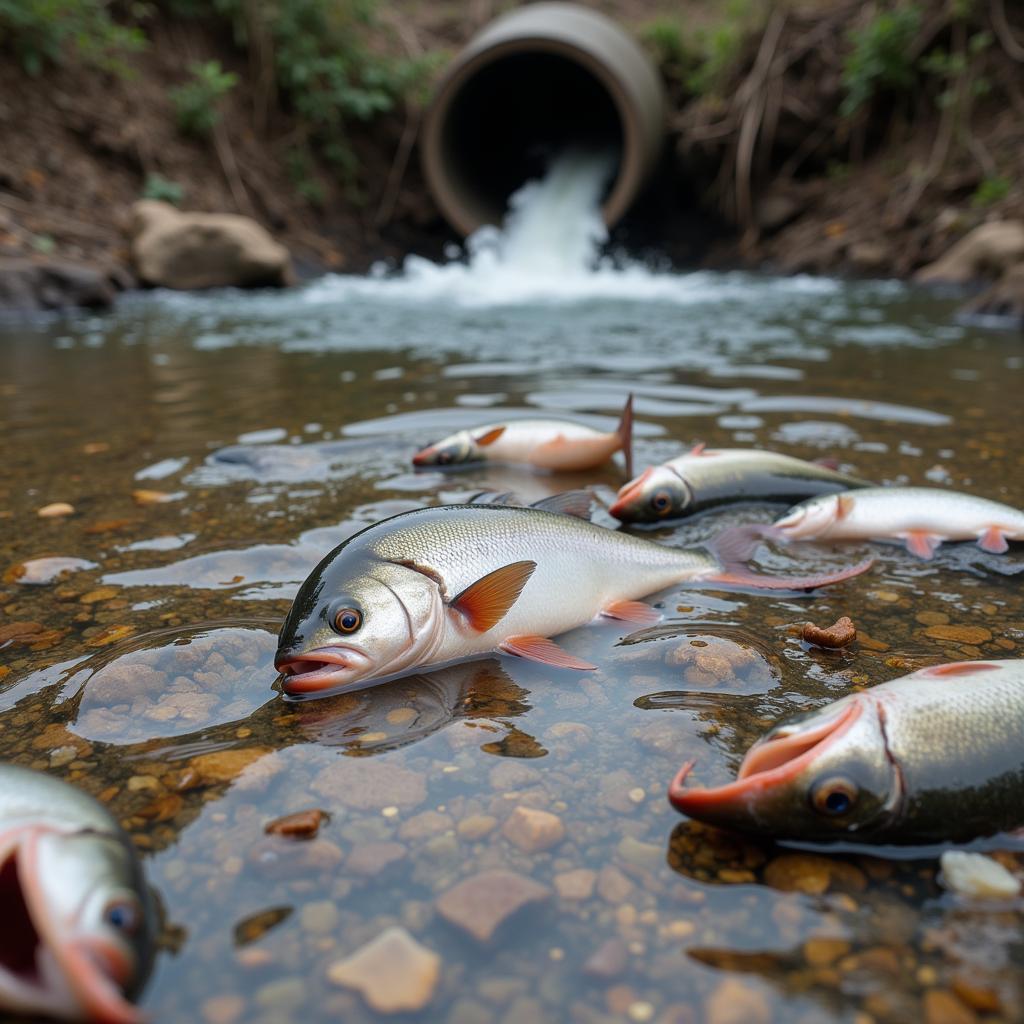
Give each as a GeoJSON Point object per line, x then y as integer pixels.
{"type": "Point", "coordinates": [540, 79]}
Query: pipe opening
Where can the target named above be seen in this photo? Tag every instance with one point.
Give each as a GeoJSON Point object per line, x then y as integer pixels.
{"type": "Point", "coordinates": [510, 118]}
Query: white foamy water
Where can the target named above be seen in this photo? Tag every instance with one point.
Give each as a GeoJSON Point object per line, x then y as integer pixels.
{"type": "Point", "coordinates": [549, 250]}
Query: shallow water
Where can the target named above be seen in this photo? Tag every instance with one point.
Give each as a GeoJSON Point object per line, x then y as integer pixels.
{"type": "Point", "coordinates": [275, 426]}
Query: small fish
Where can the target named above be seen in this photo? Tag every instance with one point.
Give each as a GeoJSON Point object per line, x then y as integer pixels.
{"type": "Point", "coordinates": [934, 756]}
{"type": "Point", "coordinates": [440, 584]}
{"type": "Point", "coordinates": [558, 445]}
{"type": "Point", "coordinates": [706, 477]}
{"type": "Point", "coordinates": [921, 517]}
{"type": "Point", "coordinates": [76, 921]}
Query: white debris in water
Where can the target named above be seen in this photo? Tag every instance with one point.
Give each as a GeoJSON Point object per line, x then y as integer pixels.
{"type": "Point", "coordinates": [974, 874]}
{"type": "Point", "coordinates": [549, 250]}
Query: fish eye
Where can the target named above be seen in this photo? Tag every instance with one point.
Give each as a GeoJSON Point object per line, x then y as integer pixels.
{"type": "Point", "coordinates": [834, 796]}
{"type": "Point", "coordinates": [661, 502]}
{"type": "Point", "coordinates": [124, 915]}
{"type": "Point", "coordinates": [347, 620]}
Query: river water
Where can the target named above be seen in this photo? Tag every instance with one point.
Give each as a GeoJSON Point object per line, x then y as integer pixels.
{"type": "Point", "coordinates": [262, 429]}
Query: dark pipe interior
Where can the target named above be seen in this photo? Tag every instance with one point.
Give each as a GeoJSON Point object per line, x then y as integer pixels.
{"type": "Point", "coordinates": [509, 118]}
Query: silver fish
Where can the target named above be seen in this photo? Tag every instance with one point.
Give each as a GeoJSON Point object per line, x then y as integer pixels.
{"type": "Point", "coordinates": [921, 517]}
{"type": "Point", "coordinates": [76, 921]}
{"type": "Point", "coordinates": [706, 477]}
{"type": "Point", "coordinates": [439, 584]}
{"type": "Point", "coordinates": [934, 756]}
{"type": "Point", "coordinates": [559, 445]}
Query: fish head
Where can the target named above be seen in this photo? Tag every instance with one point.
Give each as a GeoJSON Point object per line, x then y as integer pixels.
{"type": "Point", "coordinates": [357, 619]}
{"type": "Point", "coordinates": [817, 777]}
{"type": "Point", "coordinates": [78, 923]}
{"type": "Point", "coordinates": [810, 518]}
{"type": "Point", "coordinates": [451, 451]}
{"type": "Point", "coordinates": [657, 493]}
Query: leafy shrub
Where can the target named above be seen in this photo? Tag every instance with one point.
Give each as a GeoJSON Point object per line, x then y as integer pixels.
{"type": "Point", "coordinates": [195, 103]}
{"type": "Point", "coordinates": [880, 58]}
{"type": "Point", "coordinates": [990, 191]}
{"type": "Point", "coordinates": [45, 32]}
{"type": "Point", "coordinates": [159, 187]}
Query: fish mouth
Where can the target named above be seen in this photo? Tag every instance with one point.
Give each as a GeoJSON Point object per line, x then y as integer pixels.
{"type": "Point", "coordinates": [425, 456]}
{"type": "Point", "coordinates": [321, 669]}
{"type": "Point", "coordinates": [629, 493]}
{"type": "Point", "coordinates": [42, 970]}
{"type": "Point", "coordinates": [772, 762]}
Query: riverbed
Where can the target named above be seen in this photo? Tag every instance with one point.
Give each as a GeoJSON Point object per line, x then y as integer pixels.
{"type": "Point", "coordinates": [215, 447]}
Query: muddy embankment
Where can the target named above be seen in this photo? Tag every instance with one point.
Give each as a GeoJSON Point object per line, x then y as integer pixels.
{"type": "Point", "coordinates": [844, 138]}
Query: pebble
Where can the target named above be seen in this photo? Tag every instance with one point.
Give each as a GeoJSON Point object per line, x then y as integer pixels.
{"type": "Point", "coordinates": [394, 973]}
{"type": "Point", "coordinates": [369, 784]}
{"type": "Point", "coordinates": [533, 831]}
{"type": "Point", "coordinates": [974, 874]}
{"type": "Point", "coordinates": [144, 497]}
{"type": "Point", "coordinates": [283, 996]}
{"type": "Point", "coordinates": [608, 960]}
{"type": "Point", "coordinates": [480, 904]}
{"type": "Point", "coordinates": [942, 1007]}
{"type": "Point", "coordinates": [40, 571]}
{"type": "Point", "coordinates": [959, 634]}
{"type": "Point", "coordinates": [813, 874]}
{"type": "Point", "coordinates": [372, 858]}
{"type": "Point", "coordinates": [575, 885]}
{"type": "Point", "coordinates": [648, 856]}
{"type": "Point", "coordinates": [300, 825]}
{"type": "Point", "coordinates": [224, 1009]}
{"type": "Point", "coordinates": [425, 825]}
{"type": "Point", "coordinates": [841, 633]}
{"type": "Point", "coordinates": [55, 510]}
{"type": "Point", "coordinates": [476, 826]}
{"type": "Point", "coordinates": [612, 885]}
{"type": "Point", "coordinates": [736, 1002]}
{"type": "Point", "coordinates": [319, 917]}
{"type": "Point", "coordinates": [822, 951]}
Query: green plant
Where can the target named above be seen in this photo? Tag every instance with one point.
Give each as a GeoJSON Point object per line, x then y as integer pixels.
{"type": "Point", "coordinates": [881, 57]}
{"type": "Point", "coordinates": [45, 32]}
{"type": "Point", "coordinates": [302, 172]}
{"type": "Point", "coordinates": [195, 102]}
{"type": "Point", "coordinates": [159, 187]}
{"type": "Point", "coordinates": [990, 191]}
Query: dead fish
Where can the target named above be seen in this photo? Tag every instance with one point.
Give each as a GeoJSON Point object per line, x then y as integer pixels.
{"type": "Point", "coordinates": [559, 445]}
{"type": "Point", "coordinates": [440, 584]}
{"type": "Point", "coordinates": [706, 477]}
{"type": "Point", "coordinates": [934, 756]}
{"type": "Point", "coordinates": [76, 921]}
{"type": "Point", "coordinates": [921, 517]}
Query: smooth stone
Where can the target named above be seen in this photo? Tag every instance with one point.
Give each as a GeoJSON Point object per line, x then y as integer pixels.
{"type": "Point", "coordinates": [736, 1002]}
{"type": "Point", "coordinates": [394, 973]}
{"type": "Point", "coordinates": [533, 831]}
{"type": "Point", "coordinates": [974, 874]}
{"type": "Point", "coordinates": [480, 904]}
{"type": "Point", "coordinates": [575, 885]}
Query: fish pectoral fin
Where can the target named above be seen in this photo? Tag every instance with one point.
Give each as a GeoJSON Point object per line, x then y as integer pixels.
{"type": "Point", "coordinates": [993, 540]}
{"type": "Point", "coordinates": [489, 436]}
{"type": "Point", "coordinates": [921, 543]}
{"type": "Point", "coordinates": [568, 503]}
{"type": "Point", "coordinates": [486, 602]}
{"type": "Point", "coordinates": [632, 611]}
{"type": "Point", "coordinates": [543, 650]}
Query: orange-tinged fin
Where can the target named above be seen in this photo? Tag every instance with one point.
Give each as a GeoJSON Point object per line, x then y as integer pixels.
{"type": "Point", "coordinates": [632, 611]}
{"type": "Point", "coordinates": [568, 503]}
{"type": "Point", "coordinates": [698, 448]}
{"type": "Point", "coordinates": [547, 652]}
{"type": "Point", "coordinates": [992, 540]}
{"type": "Point", "coordinates": [739, 575]}
{"type": "Point", "coordinates": [958, 668]}
{"type": "Point", "coordinates": [489, 436]}
{"type": "Point", "coordinates": [922, 544]}
{"type": "Point", "coordinates": [844, 506]}
{"type": "Point", "coordinates": [486, 602]}
{"type": "Point", "coordinates": [625, 433]}
{"type": "Point", "coordinates": [832, 464]}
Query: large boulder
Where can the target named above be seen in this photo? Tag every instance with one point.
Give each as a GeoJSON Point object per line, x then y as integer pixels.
{"type": "Point", "coordinates": [1003, 301]}
{"type": "Point", "coordinates": [172, 249]}
{"type": "Point", "coordinates": [39, 285]}
{"type": "Point", "coordinates": [984, 253]}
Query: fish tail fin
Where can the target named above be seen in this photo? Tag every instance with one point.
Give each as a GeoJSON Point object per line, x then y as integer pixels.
{"type": "Point", "coordinates": [735, 546]}
{"type": "Point", "coordinates": [625, 434]}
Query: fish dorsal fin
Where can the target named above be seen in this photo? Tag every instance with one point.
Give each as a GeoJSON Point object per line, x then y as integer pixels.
{"type": "Point", "coordinates": [568, 503]}
{"type": "Point", "coordinates": [958, 668]}
{"type": "Point", "coordinates": [844, 506]}
{"type": "Point", "coordinates": [698, 448]}
{"type": "Point", "coordinates": [543, 650]}
{"type": "Point", "coordinates": [485, 603]}
{"type": "Point", "coordinates": [827, 463]}
{"type": "Point", "coordinates": [489, 436]}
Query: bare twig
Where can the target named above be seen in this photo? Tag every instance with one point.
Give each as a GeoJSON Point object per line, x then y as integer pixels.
{"type": "Point", "coordinates": [399, 165]}
{"type": "Point", "coordinates": [1004, 33]}
{"type": "Point", "coordinates": [226, 156]}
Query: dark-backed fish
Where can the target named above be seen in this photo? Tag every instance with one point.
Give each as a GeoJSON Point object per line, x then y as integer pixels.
{"type": "Point", "coordinates": [706, 477]}
{"type": "Point", "coordinates": [439, 584]}
{"type": "Point", "coordinates": [934, 756]}
{"type": "Point", "coordinates": [76, 923]}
